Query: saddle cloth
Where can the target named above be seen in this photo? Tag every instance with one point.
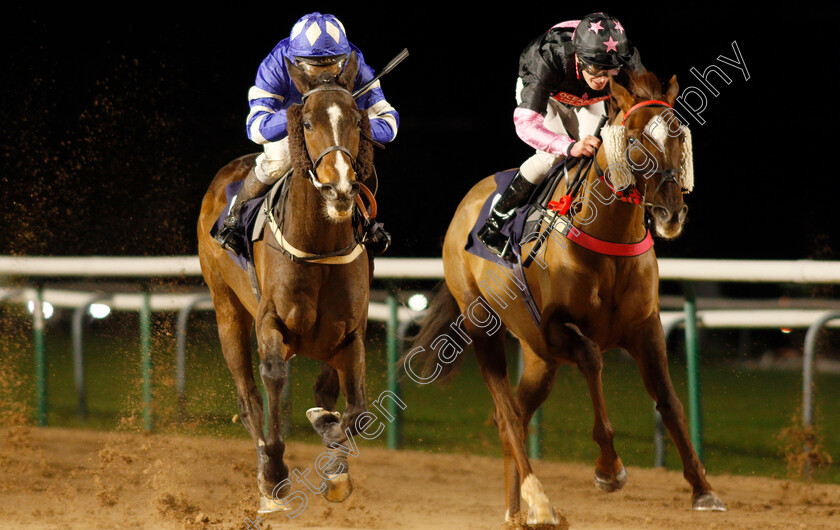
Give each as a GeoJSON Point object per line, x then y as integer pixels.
{"type": "Point", "coordinates": [251, 220]}
{"type": "Point", "coordinates": [525, 220]}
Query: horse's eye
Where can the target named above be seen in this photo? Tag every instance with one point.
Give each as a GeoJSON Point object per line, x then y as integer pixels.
{"type": "Point", "coordinates": [307, 125]}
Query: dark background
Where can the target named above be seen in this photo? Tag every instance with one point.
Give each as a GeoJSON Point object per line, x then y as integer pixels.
{"type": "Point", "coordinates": [112, 125]}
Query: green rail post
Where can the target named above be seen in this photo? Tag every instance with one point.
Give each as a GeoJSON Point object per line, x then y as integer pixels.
{"type": "Point", "coordinates": [535, 425]}
{"type": "Point", "coordinates": [146, 359]}
{"type": "Point", "coordinates": [535, 436]}
{"type": "Point", "coordinates": [692, 365]}
{"type": "Point", "coordinates": [394, 427]}
{"type": "Point", "coordinates": [40, 358]}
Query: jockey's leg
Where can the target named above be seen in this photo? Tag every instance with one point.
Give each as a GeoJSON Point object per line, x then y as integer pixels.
{"type": "Point", "coordinates": [519, 191]}
{"type": "Point", "coordinates": [531, 173]}
{"type": "Point", "coordinates": [270, 165]}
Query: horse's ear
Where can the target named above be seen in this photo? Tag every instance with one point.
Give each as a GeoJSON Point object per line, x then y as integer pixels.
{"type": "Point", "coordinates": [673, 89]}
{"type": "Point", "coordinates": [348, 77]}
{"type": "Point", "coordinates": [621, 96]}
{"type": "Point", "coordinates": [299, 77]}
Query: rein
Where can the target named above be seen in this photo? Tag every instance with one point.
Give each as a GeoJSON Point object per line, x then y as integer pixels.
{"type": "Point", "coordinates": [352, 251]}
{"type": "Point", "coordinates": [562, 206]}
{"type": "Point", "coordinates": [341, 256]}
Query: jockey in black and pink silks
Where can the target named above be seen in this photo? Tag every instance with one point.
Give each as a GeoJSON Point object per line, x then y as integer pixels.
{"type": "Point", "coordinates": [561, 92]}
{"type": "Point", "coordinates": [317, 43]}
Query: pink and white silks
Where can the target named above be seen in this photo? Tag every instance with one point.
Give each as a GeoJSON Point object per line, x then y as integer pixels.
{"type": "Point", "coordinates": [530, 127]}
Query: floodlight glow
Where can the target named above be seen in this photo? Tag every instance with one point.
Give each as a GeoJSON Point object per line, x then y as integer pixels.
{"type": "Point", "coordinates": [99, 310]}
{"type": "Point", "coordinates": [418, 302]}
{"type": "Point", "coordinates": [46, 308]}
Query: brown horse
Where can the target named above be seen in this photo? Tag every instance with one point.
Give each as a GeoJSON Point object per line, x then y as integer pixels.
{"type": "Point", "coordinates": [588, 301]}
{"type": "Point", "coordinates": [311, 302]}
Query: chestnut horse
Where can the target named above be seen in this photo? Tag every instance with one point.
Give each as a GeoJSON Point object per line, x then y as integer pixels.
{"type": "Point", "coordinates": [311, 302]}
{"type": "Point", "coordinates": [588, 301]}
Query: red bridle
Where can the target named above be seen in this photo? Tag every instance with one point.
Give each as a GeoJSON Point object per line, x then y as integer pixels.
{"type": "Point", "coordinates": [649, 103]}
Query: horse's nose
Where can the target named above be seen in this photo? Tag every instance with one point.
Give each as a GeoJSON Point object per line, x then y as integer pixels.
{"type": "Point", "coordinates": [338, 191]}
{"type": "Point", "coordinates": [662, 214]}
{"type": "Point", "coordinates": [329, 191]}
{"type": "Point", "coordinates": [354, 190]}
{"type": "Point", "coordinates": [682, 213]}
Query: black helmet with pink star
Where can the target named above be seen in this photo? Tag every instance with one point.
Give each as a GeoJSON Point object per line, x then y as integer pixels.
{"type": "Point", "coordinates": [600, 41]}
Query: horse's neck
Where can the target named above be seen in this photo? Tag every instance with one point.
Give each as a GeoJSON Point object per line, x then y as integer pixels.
{"type": "Point", "coordinates": [305, 221]}
{"type": "Point", "coordinates": [603, 215]}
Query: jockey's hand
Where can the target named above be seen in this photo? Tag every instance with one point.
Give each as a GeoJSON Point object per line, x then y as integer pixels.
{"type": "Point", "coordinates": [585, 147]}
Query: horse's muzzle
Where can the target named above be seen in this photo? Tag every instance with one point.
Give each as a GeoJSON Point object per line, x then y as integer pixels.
{"type": "Point", "coordinates": [669, 222]}
{"type": "Point", "coordinates": [332, 191]}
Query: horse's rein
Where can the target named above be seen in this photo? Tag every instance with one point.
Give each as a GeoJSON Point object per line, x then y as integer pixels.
{"type": "Point", "coordinates": [349, 253]}
{"type": "Point", "coordinates": [333, 148]}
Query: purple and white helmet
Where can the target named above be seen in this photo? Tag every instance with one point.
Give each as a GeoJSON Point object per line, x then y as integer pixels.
{"type": "Point", "coordinates": [318, 36]}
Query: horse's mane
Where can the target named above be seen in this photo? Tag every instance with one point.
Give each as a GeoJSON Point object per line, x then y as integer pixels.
{"type": "Point", "coordinates": [645, 85]}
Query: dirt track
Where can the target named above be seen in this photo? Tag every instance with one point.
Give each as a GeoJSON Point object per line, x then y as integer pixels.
{"type": "Point", "coordinates": [55, 478]}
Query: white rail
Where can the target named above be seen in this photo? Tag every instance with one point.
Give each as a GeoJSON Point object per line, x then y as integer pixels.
{"type": "Point", "coordinates": [688, 270]}
{"type": "Point", "coordinates": [767, 271]}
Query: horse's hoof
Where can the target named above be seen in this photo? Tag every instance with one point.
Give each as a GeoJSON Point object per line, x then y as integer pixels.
{"type": "Point", "coordinates": [320, 418]}
{"type": "Point", "coordinates": [544, 515]}
{"type": "Point", "coordinates": [268, 505]}
{"type": "Point", "coordinates": [708, 502]}
{"type": "Point", "coordinates": [610, 483]}
{"type": "Point", "coordinates": [338, 488]}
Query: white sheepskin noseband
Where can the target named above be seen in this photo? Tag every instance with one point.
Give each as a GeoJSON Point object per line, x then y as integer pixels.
{"type": "Point", "coordinates": [614, 138]}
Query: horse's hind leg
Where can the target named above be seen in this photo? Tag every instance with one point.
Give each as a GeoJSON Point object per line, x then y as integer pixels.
{"type": "Point", "coordinates": [327, 387]}
{"type": "Point", "coordinates": [490, 353]}
{"type": "Point", "coordinates": [533, 389]}
{"type": "Point", "coordinates": [338, 431]}
{"type": "Point", "coordinates": [647, 347]}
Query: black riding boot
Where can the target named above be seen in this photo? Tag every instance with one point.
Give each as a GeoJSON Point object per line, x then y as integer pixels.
{"type": "Point", "coordinates": [228, 236]}
{"type": "Point", "coordinates": [376, 239]}
{"type": "Point", "coordinates": [514, 196]}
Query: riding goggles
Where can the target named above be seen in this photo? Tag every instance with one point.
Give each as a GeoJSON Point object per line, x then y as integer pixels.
{"type": "Point", "coordinates": [328, 60]}
{"type": "Point", "coordinates": [595, 71]}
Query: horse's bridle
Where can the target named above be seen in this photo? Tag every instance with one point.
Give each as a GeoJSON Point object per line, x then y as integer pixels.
{"type": "Point", "coordinates": [668, 175]}
{"type": "Point", "coordinates": [316, 161]}
{"type": "Point", "coordinates": [344, 255]}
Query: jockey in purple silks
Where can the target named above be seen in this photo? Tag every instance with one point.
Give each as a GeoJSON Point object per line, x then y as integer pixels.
{"type": "Point", "coordinates": [561, 92]}
{"type": "Point", "coordinates": [317, 43]}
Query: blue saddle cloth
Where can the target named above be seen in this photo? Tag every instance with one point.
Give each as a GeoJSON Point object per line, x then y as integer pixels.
{"type": "Point", "coordinates": [247, 220]}
{"type": "Point", "coordinates": [512, 228]}
{"type": "Point", "coordinates": [519, 224]}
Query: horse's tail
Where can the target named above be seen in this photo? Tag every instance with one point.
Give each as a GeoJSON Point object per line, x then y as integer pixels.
{"type": "Point", "coordinates": [436, 349]}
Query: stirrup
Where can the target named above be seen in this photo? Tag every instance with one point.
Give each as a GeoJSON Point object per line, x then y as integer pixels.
{"type": "Point", "coordinates": [226, 237]}
{"type": "Point", "coordinates": [376, 239]}
{"type": "Point", "coordinates": [491, 237]}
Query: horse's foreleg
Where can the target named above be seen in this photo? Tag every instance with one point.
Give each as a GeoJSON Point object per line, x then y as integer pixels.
{"type": "Point", "coordinates": [490, 353]}
{"type": "Point", "coordinates": [272, 475]}
{"type": "Point", "coordinates": [647, 347]}
{"type": "Point", "coordinates": [338, 431]}
{"type": "Point", "coordinates": [610, 474]}
{"type": "Point", "coordinates": [534, 387]}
